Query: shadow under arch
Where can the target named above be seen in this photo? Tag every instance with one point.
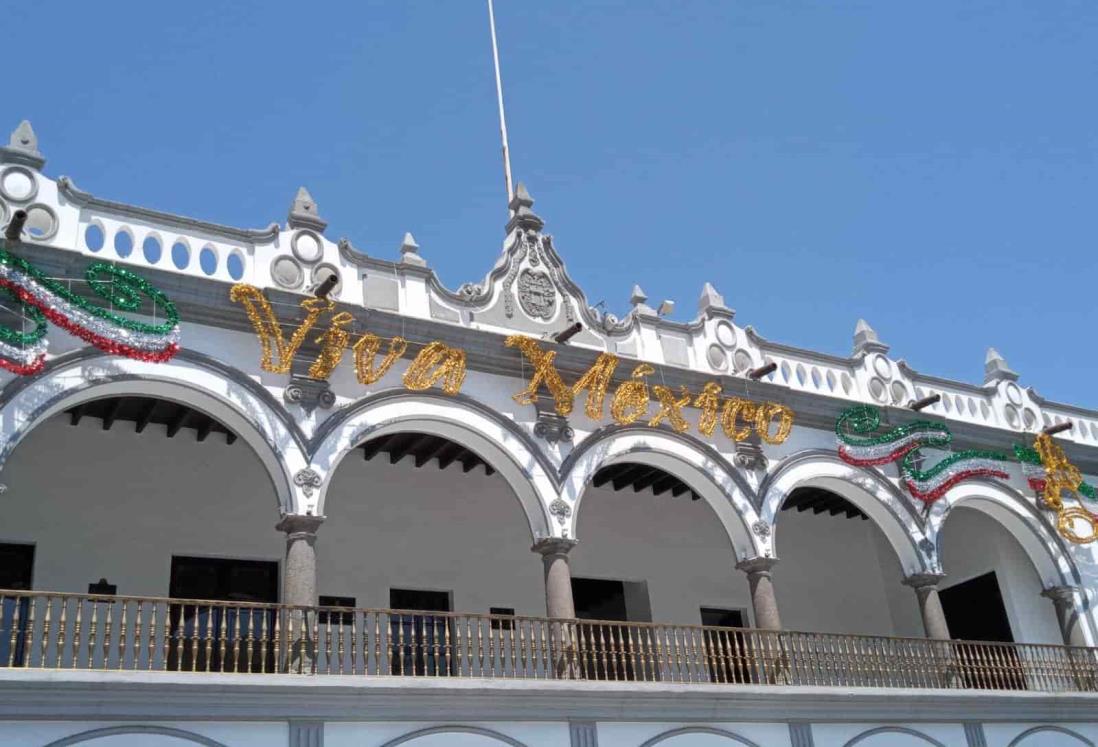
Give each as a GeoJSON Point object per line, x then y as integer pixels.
{"type": "Point", "coordinates": [736, 738]}
{"type": "Point", "coordinates": [488, 733]}
{"type": "Point", "coordinates": [1027, 523]}
{"type": "Point", "coordinates": [869, 490]}
{"type": "Point", "coordinates": [698, 465]}
{"type": "Point", "coordinates": [116, 731]}
{"type": "Point", "coordinates": [892, 730]}
{"type": "Point", "coordinates": [495, 439]}
{"type": "Point", "coordinates": [1019, 741]}
{"type": "Point", "coordinates": [190, 378]}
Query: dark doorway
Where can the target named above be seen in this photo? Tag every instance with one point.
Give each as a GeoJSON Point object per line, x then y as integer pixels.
{"type": "Point", "coordinates": [222, 638]}
{"type": "Point", "coordinates": [974, 611]}
{"type": "Point", "coordinates": [16, 569]}
{"type": "Point", "coordinates": [608, 652]}
{"type": "Point", "coordinates": [726, 648]}
{"type": "Point", "coordinates": [418, 644]}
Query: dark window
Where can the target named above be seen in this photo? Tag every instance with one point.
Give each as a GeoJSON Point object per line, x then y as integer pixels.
{"type": "Point", "coordinates": [418, 643]}
{"type": "Point", "coordinates": [218, 637]}
{"type": "Point", "coordinates": [726, 650]}
{"type": "Point", "coordinates": [336, 618]}
{"type": "Point", "coordinates": [974, 611]}
{"type": "Point", "coordinates": [502, 612]}
{"type": "Point", "coordinates": [16, 568]}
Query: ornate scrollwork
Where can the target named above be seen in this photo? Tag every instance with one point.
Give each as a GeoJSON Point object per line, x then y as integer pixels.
{"type": "Point", "coordinates": [560, 509]}
{"type": "Point", "coordinates": [761, 528]}
{"type": "Point", "coordinates": [307, 479]}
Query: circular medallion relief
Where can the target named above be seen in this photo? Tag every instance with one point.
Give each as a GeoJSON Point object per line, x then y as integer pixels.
{"type": "Point", "coordinates": [1029, 417]}
{"type": "Point", "coordinates": [1013, 419]}
{"type": "Point", "coordinates": [41, 222]}
{"type": "Point", "coordinates": [18, 184]}
{"type": "Point", "coordinates": [742, 360]}
{"type": "Point", "coordinates": [882, 366]}
{"type": "Point", "coordinates": [536, 294]}
{"type": "Point", "coordinates": [1014, 393]}
{"type": "Point", "coordinates": [899, 393]}
{"type": "Point", "coordinates": [718, 359]}
{"type": "Point", "coordinates": [322, 271]}
{"type": "Point", "coordinates": [877, 389]}
{"type": "Point", "coordinates": [287, 272]}
{"type": "Point", "coordinates": [726, 334]}
{"type": "Point", "coordinates": [306, 246]}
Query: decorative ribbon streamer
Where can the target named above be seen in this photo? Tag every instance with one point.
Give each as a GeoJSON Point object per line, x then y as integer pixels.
{"type": "Point", "coordinates": [45, 300]}
{"type": "Point", "coordinates": [903, 443]}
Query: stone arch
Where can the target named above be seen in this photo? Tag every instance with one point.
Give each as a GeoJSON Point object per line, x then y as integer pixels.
{"type": "Point", "coordinates": [892, 730]}
{"type": "Point", "coordinates": [114, 731]}
{"type": "Point", "coordinates": [701, 467]}
{"type": "Point", "coordinates": [189, 378]}
{"type": "Point", "coordinates": [1019, 741]}
{"type": "Point", "coordinates": [732, 737]}
{"type": "Point", "coordinates": [490, 734]}
{"type": "Point", "coordinates": [867, 489]}
{"type": "Point", "coordinates": [1020, 517]}
{"type": "Point", "coordinates": [492, 437]}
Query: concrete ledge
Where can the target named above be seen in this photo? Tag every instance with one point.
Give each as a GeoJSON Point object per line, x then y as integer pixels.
{"type": "Point", "coordinates": [31, 694]}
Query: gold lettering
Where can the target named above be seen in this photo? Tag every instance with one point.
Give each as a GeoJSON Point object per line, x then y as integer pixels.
{"type": "Point", "coordinates": [437, 362]}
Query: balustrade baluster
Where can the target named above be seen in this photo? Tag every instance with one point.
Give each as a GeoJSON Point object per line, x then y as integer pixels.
{"type": "Point", "coordinates": [122, 636]}
{"type": "Point", "coordinates": [59, 652]}
{"type": "Point", "coordinates": [75, 631]}
{"type": "Point", "coordinates": [107, 626]}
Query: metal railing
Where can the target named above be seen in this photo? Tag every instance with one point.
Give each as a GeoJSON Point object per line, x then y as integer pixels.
{"type": "Point", "coordinates": [75, 631]}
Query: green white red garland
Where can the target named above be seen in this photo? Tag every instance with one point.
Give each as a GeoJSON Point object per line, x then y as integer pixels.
{"type": "Point", "coordinates": [46, 300]}
{"type": "Point", "coordinates": [860, 445]}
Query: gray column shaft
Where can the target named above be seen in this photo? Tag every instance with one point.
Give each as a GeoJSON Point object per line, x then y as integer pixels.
{"type": "Point", "coordinates": [299, 590]}
{"type": "Point", "coordinates": [763, 601]}
{"type": "Point", "coordinates": [1063, 598]}
{"type": "Point", "coordinates": [934, 621]}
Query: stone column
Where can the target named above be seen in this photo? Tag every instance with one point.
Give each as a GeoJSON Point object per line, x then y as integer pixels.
{"type": "Point", "coordinates": [930, 606]}
{"type": "Point", "coordinates": [558, 576]}
{"type": "Point", "coordinates": [299, 590]}
{"type": "Point", "coordinates": [1063, 597]}
{"type": "Point", "coordinates": [762, 591]}
{"type": "Point", "coordinates": [559, 604]}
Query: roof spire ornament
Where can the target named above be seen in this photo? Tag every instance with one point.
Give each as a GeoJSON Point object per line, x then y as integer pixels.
{"type": "Point", "coordinates": [521, 214]}
{"type": "Point", "coordinates": [409, 252]}
{"type": "Point", "coordinates": [996, 368]}
{"type": "Point", "coordinates": [711, 304]}
{"type": "Point", "coordinates": [866, 340]}
{"type": "Point", "coordinates": [304, 212]}
{"type": "Point", "coordinates": [638, 299]}
{"type": "Point", "coordinates": [22, 148]}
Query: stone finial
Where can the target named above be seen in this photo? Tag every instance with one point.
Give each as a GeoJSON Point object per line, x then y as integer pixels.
{"type": "Point", "coordinates": [712, 303]}
{"type": "Point", "coordinates": [996, 368]}
{"type": "Point", "coordinates": [23, 147]}
{"type": "Point", "coordinates": [304, 212]}
{"type": "Point", "coordinates": [638, 299]}
{"type": "Point", "coordinates": [409, 252]}
{"type": "Point", "coordinates": [866, 339]}
{"type": "Point", "coordinates": [521, 214]}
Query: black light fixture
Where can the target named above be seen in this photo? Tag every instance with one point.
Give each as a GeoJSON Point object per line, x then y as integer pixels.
{"type": "Point", "coordinates": [921, 404]}
{"type": "Point", "coordinates": [567, 334]}
{"type": "Point", "coordinates": [1052, 430]}
{"type": "Point", "coordinates": [758, 373]}
{"type": "Point", "coordinates": [326, 286]}
{"type": "Point", "coordinates": [15, 227]}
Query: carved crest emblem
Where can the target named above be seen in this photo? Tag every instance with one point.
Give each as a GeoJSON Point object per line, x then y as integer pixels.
{"type": "Point", "coordinates": [536, 294]}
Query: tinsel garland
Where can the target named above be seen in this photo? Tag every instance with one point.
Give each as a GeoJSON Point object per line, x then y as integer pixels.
{"type": "Point", "coordinates": [45, 300]}
{"type": "Point", "coordinates": [1059, 476]}
{"type": "Point", "coordinates": [671, 408]}
{"type": "Point", "coordinates": [366, 350]}
{"type": "Point", "coordinates": [437, 362]}
{"type": "Point", "coordinates": [630, 401]}
{"type": "Point", "coordinates": [266, 325]}
{"type": "Point", "coordinates": [903, 443]}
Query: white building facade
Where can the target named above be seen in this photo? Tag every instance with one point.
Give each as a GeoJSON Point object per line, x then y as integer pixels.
{"type": "Point", "coordinates": [340, 504]}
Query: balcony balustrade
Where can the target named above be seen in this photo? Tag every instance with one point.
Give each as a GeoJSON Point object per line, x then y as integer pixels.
{"type": "Point", "coordinates": [40, 630]}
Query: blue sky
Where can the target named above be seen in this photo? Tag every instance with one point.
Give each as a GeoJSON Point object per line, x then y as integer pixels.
{"type": "Point", "coordinates": [928, 166]}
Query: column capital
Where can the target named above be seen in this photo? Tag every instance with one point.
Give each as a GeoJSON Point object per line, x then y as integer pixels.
{"type": "Point", "coordinates": [924, 580]}
{"type": "Point", "coordinates": [553, 545]}
{"type": "Point", "coordinates": [756, 565]}
{"type": "Point", "coordinates": [1060, 594]}
{"type": "Point", "coordinates": [299, 525]}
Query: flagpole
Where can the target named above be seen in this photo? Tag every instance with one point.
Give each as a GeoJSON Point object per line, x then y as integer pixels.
{"type": "Point", "coordinates": [499, 97]}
